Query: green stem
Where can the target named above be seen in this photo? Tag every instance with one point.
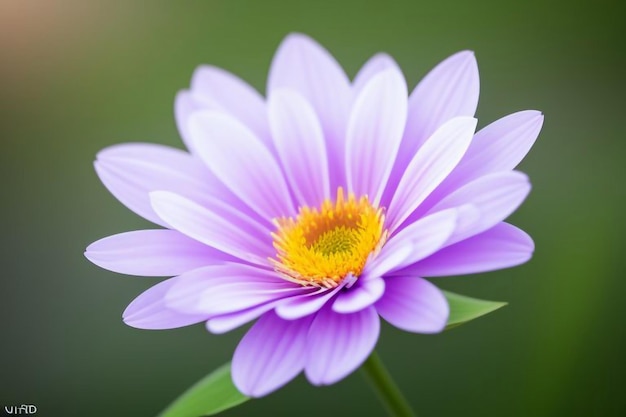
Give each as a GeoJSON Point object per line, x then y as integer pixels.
{"type": "Point", "coordinates": [384, 385]}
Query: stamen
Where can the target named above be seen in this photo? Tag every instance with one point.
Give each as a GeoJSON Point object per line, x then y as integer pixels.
{"type": "Point", "coordinates": [322, 247]}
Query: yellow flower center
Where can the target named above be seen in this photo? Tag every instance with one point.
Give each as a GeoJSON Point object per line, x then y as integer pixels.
{"type": "Point", "coordinates": [321, 247]}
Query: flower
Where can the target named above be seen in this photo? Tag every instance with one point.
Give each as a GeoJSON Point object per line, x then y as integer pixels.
{"type": "Point", "coordinates": [318, 210]}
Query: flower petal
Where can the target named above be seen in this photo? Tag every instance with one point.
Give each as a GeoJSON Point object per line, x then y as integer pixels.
{"type": "Point", "coordinates": [184, 106]}
{"type": "Point", "coordinates": [217, 89]}
{"type": "Point", "coordinates": [497, 147]}
{"type": "Point", "coordinates": [431, 165]}
{"type": "Point", "coordinates": [449, 90]}
{"type": "Point", "coordinates": [374, 133]}
{"type": "Point", "coordinates": [387, 260]}
{"type": "Point", "coordinates": [148, 310]}
{"type": "Point", "coordinates": [228, 288]}
{"type": "Point", "coordinates": [378, 63]}
{"type": "Point", "coordinates": [362, 295]}
{"type": "Point", "coordinates": [413, 304]}
{"type": "Point", "coordinates": [307, 304]}
{"type": "Point", "coordinates": [339, 343]}
{"type": "Point", "coordinates": [241, 162]}
{"type": "Point", "coordinates": [424, 237]}
{"type": "Point", "coordinates": [131, 171]}
{"type": "Point", "coordinates": [501, 145]}
{"type": "Point", "coordinates": [229, 232]}
{"type": "Point", "coordinates": [152, 253]}
{"type": "Point", "coordinates": [271, 354]}
{"type": "Point", "coordinates": [302, 65]}
{"type": "Point", "coordinates": [299, 142]}
{"type": "Point", "coordinates": [502, 246]}
{"type": "Point", "coordinates": [227, 322]}
{"type": "Point", "coordinates": [495, 196]}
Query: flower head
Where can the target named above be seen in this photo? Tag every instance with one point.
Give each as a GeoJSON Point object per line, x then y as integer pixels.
{"type": "Point", "coordinates": [317, 210]}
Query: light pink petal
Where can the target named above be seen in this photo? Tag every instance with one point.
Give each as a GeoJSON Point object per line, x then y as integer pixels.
{"type": "Point", "coordinates": [131, 171]}
{"type": "Point", "coordinates": [228, 288]}
{"type": "Point", "coordinates": [339, 343]}
{"type": "Point", "coordinates": [431, 165]}
{"type": "Point", "coordinates": [495, 196]}
{"type": "Point", "coordinates": [302, 65]}
{"type": "Point", "coordinates": [378, 63]}
{"type": "Point", "coordinates": [217, 89]}
{"type": "Point", "coordinates": [498, 147]}
{"type": "Point", "coordinates": [271, 354]}
{"type": "Point", "coordinates": [148, 310]}
{"type": "Point", "coordinates": [502, 246]}
{"type": "Point", "coordinates": [360, 296]}
{"type": "Point", "coordinates": [241, 162]}
{"type": "Point", "coordinates": [374, 133]}
{"type": "Point", "coordinates": [152, 253]}
{"type": "Point", "coordinates": [413, 304]}
{"type": "Point", "coordinates": [306, 304]}
{"type": "Point", "coordinates": [235, 234]}
{"type": "Point", "coordinates": [300, 146]}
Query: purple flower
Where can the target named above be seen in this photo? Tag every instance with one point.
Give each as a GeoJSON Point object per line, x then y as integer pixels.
{"type": "Point", "coordinates": [317, 210]}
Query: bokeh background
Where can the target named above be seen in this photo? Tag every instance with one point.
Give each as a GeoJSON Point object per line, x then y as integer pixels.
{"type": "Point", "coordinates": [77, 76]}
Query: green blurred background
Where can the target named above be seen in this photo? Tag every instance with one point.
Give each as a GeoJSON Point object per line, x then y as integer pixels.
{"type": "Point", "coordinates": [78, 76]}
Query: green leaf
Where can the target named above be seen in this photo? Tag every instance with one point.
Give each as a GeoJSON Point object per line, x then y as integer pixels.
{"type": "Point", "coordinates": [212, 394]}
{"type": "Point", "coordinates": [464, 309]}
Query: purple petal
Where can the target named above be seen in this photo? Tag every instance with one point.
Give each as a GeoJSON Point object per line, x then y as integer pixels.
{"type": "Point", "coordinates": [387, 259]}
{"type": "Point", "coordinates": [376, 64]}
{"type": "Point", "coordinates": [431, 165]}
{"type": "Point", "coordinates": [374, 133]}
{"type": "Point", "coordinates": [184, 106]}
{"type": "Point", "coordinates": [413, 304]}
{"type": "Point", "coordinates": [148, 310]}
{"type": "Point", "coordinates": [299, 142]}
{"type": "Point", "coordinates": [229, 232]}
{"type": "Point", "coordinates": [302, 65]}
{"type": "Point", "coordinates": [307, 304]}
{"type": "Point", "coordinates": [498, 147]}
{"type": "Point", "coordinates": [424, 237]}
{"type": "Point", "coordinates": [152, 253]}
{"type": "Point", "coordinates": [241, 162]}
{"type": "Point", "coordinates": [271, 354]}
{"type": "Point", "coordinates": [495, 196]}
{"type": "Point", "coordinates": [362, 295]}
{"type": "Point", "coordinates": [228, 288]}
{"type": "Point", "coordinates": [227, 322]}
{"type": "Point", "coordinates": [502, 246]}
{"type": "Point", "coordinates": [450, 90]}
{"type": "Point", "coordinates": [217, 89]}
{"type": "Point", "coordinates": [339, 343]}
{"type": "Point", "coordinates": [131, 171]}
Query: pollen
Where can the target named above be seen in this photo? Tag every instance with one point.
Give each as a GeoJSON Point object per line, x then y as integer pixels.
{"type": "Point", "coordinates": [322, 246]}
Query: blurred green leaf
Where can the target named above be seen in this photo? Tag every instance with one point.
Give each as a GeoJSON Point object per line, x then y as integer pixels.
{"type": "Point", "coordinates": [464, 309]}
{"type": "Point", "coordinates": [211, 395]}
